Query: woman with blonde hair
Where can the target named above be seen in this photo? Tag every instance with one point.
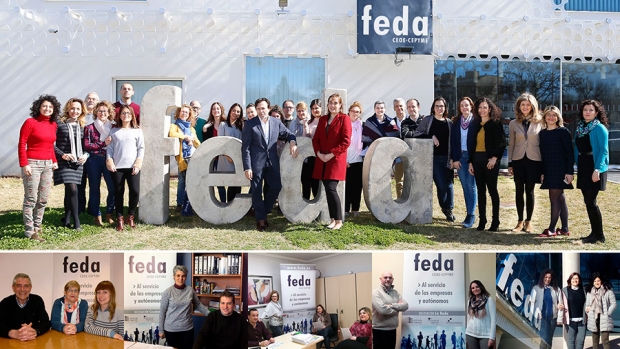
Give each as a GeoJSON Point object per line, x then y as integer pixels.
{"type": "Point", "coordinates": [104, 318]}
{"type": "Point", "coordinates": [524, 161]}
{"type": "Point", "coordinates": [69, 312]}
{"type": "Point", "coordinates": [556, 149]}
{"type": "Point", "coordinates": [96, 141]}
{"type": "Point", "coordinates": [183, 129]}
{"type": "Point", "coordinates": [330, 142]}
{"type": "Point", "coordinates": [71, 157]}
{"type": "Point", "coordinates": [274, 314]}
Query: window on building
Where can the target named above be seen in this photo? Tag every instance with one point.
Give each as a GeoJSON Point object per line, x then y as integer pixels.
{"type": "Point", "coordinates": [279, 79]}
{"type": "Point", "coordinates": [141, 87]}
{"type": "Point", "coordinates": [591, 5]}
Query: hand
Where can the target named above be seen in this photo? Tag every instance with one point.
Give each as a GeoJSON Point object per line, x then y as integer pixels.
{"type": "Point", "coordinates": [569, 178]}
{"type": "Point", "coordinates": [456, 165]}
{"type": "Point", "coordinates": [353, 338]}
{"type": "Point", "coordinates": [510, 170]}
{"type": "Point", "coordinates": [560, 306]}
{"type": "Point", "coordinates": [491, 343]}
{"type": "Point", "coordinates": [248, 175]}
{"type": "Point", "coordinates": [230, 161]}
{"type": "Point", "coordinates": [110, 165]}
{"type": "Point", "coordinates": [69, 329]}
{"type": "Point", "coordinates": [68, 157]}
{"type": "Point", "coordinates": [435, 141]}
{"type": "Point", "coordinates": [162, 335]}
{"type": "Point", "coordinates": [294, 152]}
{"type": "Point", "coordinates": [206, 126]}
{"type": "Point", "coordinates": [587, 309]}
{"type": "Point", "coordinates": [118, 336]}
{"type": "Point", "coordinates": [272, 340]}
{"type": "Point", "coordinates": [491, 163]}
{"type": "Point", "coordinates": [596, 176]}
{"type": "Point", "coordinates": [27, 333]}
{"type": "Point", "coordinates": [188, 139]}
{"type": "Point", "coordinates": [471, 169]}
{"type": "Point", "coordinates": [134, 170]}
{"type": "Point", "coordinates": [542, 178]}
{"type": "Point", "coordinates": [82, 160]}
{"type": "Point", "coordinates": [27, 170]}
{"type": "Point", "coordinates": [108, 140]}
{"type": "Point", "coordinates": [264, 343]}
{"type": "Point", "coordinates": [55, 166]}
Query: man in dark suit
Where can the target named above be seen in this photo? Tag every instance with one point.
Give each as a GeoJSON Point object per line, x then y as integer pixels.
{"type": "Point", "coordinates": [260, 159]}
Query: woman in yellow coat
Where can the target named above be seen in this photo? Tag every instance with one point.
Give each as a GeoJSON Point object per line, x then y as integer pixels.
{"type": "Point", "coordinates": [183, 129]}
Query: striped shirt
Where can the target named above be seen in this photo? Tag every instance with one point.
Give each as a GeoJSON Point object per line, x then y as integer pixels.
{"type": "Point", "coordinates": [103, 325]}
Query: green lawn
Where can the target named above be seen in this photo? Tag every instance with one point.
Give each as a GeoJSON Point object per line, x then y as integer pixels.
{"type": "Point", "coordinates": [359, 233]}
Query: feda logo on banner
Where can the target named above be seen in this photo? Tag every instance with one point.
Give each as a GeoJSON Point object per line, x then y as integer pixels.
{"type": "Point", "coordinates": [384, 25]}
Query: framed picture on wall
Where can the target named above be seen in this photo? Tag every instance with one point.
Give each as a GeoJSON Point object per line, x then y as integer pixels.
{"type": "Point", "coordinates": [259, 288]}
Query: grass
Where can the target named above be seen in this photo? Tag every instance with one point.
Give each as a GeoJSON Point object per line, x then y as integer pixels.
{"type": "Point", "coordinates": [359, 233]}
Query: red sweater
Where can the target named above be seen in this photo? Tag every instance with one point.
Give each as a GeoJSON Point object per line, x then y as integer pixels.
{"type": "Point", "coordinates": [36, 140]}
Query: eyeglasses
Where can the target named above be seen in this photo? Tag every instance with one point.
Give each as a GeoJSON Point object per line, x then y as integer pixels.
{"type": "Point", "coordinates": [126, 113]}
{"type": "Point", "coordinates": [73, 290]}
{"type": "Point", "coordinates": [197, 108]}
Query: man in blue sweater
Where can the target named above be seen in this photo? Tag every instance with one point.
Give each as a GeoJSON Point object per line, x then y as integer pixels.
{"type": "Point", "coordinates": [23, 315]}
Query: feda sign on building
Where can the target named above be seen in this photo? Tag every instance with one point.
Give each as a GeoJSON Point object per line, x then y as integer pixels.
{"type": "Point", "coordinates": [384, 25]}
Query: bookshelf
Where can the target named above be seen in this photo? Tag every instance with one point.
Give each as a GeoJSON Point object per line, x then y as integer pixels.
{"type": "Point", "coordinates": [212, 273]}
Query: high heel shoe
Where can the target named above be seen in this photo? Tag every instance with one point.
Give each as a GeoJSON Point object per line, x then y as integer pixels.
{"type": "Point", "coordinates": [120, 223]}
{"type": "Point", "coordinates": [481, 223]}
{"type": "Point", "coordinates": [494, 225]}
{"type": "Point", "coordinates": [518, 227]}
{"type": "Point", "coordinates": [130, 221]}
{"type": "Point", "coordinates": [528, 227]}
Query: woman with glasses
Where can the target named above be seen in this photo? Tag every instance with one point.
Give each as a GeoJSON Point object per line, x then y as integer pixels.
{"type": "Point", "coordinates": [69, 312]}
{"type": "Point", "coordinates": [361, 332]}
{"type": "Point", "coordinates": [124, 159]}
{"type": "Point", "coordinates": [437, 126]}
{"type": "Point", "coordinates": [96, 141]}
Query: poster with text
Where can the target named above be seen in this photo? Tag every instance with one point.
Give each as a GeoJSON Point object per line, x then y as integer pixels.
{"type": "Point", "coordinates": [88, 269]}
{"type": "Point", "coordinates": [298, 284]}
{"type": "Point", "coordinates": [435, 290]}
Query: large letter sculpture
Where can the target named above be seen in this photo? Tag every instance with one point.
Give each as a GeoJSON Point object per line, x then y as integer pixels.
{"type": "Point", "coordinates": [155, 178]}
{"type": "Point", "coordinates": [415, 205]}
{"type": "Point", "coordinates": [294, 207]}
{"type": "Point", "coordinates": [201, 181]}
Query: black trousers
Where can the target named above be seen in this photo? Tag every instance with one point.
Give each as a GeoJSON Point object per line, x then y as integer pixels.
{"type": "Point", "coordinates": [119, 178]}
{"type": "Point", "coordinates": [308, 184]}
{"type": "Point", "coordinates": [333, 200]}
{"type": "Point", "coordinates": [383, 339]}
{"type": "Point", "coordinates": [353, 187]}
{"type": "Point", "coordinates": [180, 340]}
{"type": "Point", "coordinates": [486, 180]}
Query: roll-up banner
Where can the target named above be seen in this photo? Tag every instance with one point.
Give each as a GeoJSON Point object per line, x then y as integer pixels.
{"type": "Point", "coordinates": [383, 26]}
{"type": "Point", "coordinates": [298, 284]}
{"type": "Point", "coordinates": [147, 275]}
{"type": "Point", "coordinates": [88, 269]}
{"type": "Point", "coordinates": [435, 290]}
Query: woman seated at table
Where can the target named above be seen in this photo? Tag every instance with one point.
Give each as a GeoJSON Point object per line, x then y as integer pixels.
{"type": "Point", "coordinates": [322, 324]}
{"type": "Point", "coordinates": [361, 332]}
{"type": "Point", "coordinates": [104, 318]}
{"type": "Point", "coordinates": [69, 312]}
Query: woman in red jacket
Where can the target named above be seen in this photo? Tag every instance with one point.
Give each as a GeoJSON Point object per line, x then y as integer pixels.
{"type": "Point", "coordinates": [330, 142]}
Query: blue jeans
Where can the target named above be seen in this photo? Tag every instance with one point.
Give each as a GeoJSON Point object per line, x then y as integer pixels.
{"type": "Point", "coordinates": [95, 168]}
{"type": "Point", "coordinates": [576, 334]}
{"type": "Point", "coordinates": [547, 327]}
{"type": "Point", "coordinates": [325, 334]}
{"type": "Point", "coordinates": [443, 178]}
{"type": "Point", "coordinates": [276, 330]}
{"type": "Point", "coordinates": [181, 194]}
{"type": "Point", "coordinates": [468, 182]}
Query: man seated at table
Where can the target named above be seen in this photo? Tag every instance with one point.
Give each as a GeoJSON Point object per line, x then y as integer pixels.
{"type": "Point", "coordinates": [23, 315]}
{"type": "Point", "coordinates": [224, 328]}
{"type": "Point", "coordinates": [258, 335]}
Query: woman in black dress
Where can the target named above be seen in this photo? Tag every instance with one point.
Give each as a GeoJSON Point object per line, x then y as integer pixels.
{"type": "Point", "coordinates": [556, 150]}
{"type": "Point", "coordinates": [71, 157]}
{"type": "Point", "coordinates": [592, 156]}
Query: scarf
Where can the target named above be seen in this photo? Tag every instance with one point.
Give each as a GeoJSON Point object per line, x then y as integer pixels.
{"type": "Point", "coordinates": [526, 127]}
{"type": "Point", "coordinates": [75, 139]}
{"type": "Point", "coordinates": [584, 128]}
{"type": "Point", "coordinates": [185, 126]}
{"type": "Point", "coordinates": [476, 307]}
{"type": "Point", "coordinates": [72, 308]}
{"type": "Point", "coordinates": [597, 300]}
{"type": "Point", "coordinates": [356, 135]}
{"type": "Point", "coordinates": [103, 127]}
{"type": "Point", "coordinates": [465, 121]}
{"type": "Point", "coordinates": [179, 287]}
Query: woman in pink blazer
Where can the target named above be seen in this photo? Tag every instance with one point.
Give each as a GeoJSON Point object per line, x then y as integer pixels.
{"type": "Point", "coordinates": [331, 142]}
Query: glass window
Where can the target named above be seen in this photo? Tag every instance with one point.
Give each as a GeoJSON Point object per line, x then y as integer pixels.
{"type": "Point", "coordinates": [591, 5]}
{"type": "Point", "coordinates": [141, 87]}
{"type": "Point", "coordinates": [279, 79]}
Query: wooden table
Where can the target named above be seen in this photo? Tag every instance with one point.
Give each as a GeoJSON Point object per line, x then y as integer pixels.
{"type": "Point", "coordinates": [56, 340]}
{"type": "Point", "coordinates": [287, 342]}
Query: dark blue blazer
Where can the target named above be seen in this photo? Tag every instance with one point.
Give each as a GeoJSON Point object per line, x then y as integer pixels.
{"type": "Point", "coordinates": [256, 153]}
{"type": "Point", "coordinates": [455, 138]}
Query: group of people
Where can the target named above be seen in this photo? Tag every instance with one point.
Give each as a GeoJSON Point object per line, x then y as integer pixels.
{"type": "Point", "coordinates": [81, 142]}
{"type": "Point", "coordinates": [23, 315]}
{"type": "Point", "coordinates": [575, 307]}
